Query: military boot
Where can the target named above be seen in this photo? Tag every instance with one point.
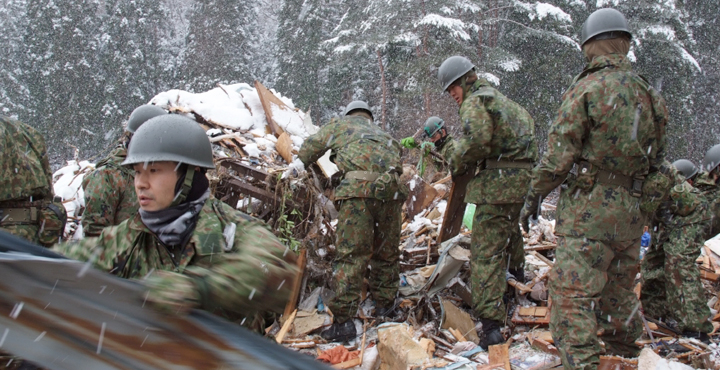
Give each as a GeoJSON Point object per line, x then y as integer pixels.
{"type": "Point", "coordinates": [492, 334]}
{"type": "Point", "coordinates": [340, 332]}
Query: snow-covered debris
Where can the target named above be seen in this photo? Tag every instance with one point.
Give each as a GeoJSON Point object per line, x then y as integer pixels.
{"type": "Point", "coordinates": [67, 184]}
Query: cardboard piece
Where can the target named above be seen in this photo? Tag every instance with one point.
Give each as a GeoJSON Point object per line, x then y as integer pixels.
{"type": "Point", "coordinates": [460, 320]}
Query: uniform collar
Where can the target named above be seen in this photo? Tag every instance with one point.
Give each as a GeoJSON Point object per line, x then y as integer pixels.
{"type": "Point", "coordinates": [610, 60]}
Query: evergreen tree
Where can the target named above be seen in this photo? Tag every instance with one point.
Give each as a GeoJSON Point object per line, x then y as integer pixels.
{"type": "Point", "coordinates": [13, 94]}
{"type": "Point", "coordinates": [216, 45]}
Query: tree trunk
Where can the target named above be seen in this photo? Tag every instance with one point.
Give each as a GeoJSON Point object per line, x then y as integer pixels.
{"type": "Point", "coordinates": [384, 89]}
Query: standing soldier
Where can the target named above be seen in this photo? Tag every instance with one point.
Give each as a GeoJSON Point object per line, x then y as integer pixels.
{"type": "Point", "coordinates": [436, 134]}
{"type": "Point", "coordinates": [707, 181]}
{"type": "Point", "coordinates": [498, 146]}
{"type": "Point", "coordinates": [28, 207]}
{"type": "Point", "coordinates": [197, 251]}
{"type": "Point", "coordinates": [611, 126]}
{"type": "Point", "coordinates": [369, 221]}
{"type": "Point", "coordinates": [671, 286]}
{"type": "Point", "coordinates": [109, 192]}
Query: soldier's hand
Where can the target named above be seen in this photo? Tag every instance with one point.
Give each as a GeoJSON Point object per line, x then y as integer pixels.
{"type": "Point", "coordinates": [409, 142]}
{"type": "Point", "coordinates": [172, 292]}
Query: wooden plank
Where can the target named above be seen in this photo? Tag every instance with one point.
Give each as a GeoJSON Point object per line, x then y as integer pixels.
{"type": "Point", "coordinates": [544, 346]}
{"type": "Point", "coordinates": [540, 247]}
{"type": "Point", "coordinates": [498, 355]}
{"type": "Point", "coordinates": [711, 276]}
{"type": "Point", "coordinates": [244, 169]}
{"type": "Point", "coordinates": [420, 197]}
{"type": "Point", "coordinates": [455, 208]}
{"type": "Point", "coordinates": [286, 327]}
{"type": "Point", "coordinates": [542, 258]}
{"type": "Point", "coordinates": [297, 283]}
{"type": "Point", "coordinates": [284, 147]}
{"type": "Point", "coordinates": [268, 99]}
{"type": "Point", "coordinates": [254, 192]}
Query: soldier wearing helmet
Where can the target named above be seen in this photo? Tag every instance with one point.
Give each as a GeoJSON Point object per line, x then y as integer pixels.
{"type": "Point", "coordinates": [435, 132]}
{"type": "Point", "coordinates": [671, 287]}
{"type": "Point", "coordinates": [708, 181]}
{"type": "Point", "coordinates": [109, 192]}
{"type": "Point", "coordinates": [196, 251]}
{"type": "Point", "coordinates": [370, 198]}
{"type": "Point", "coordinates": [617, 147]}
{"type": "Point", "coordinates": [498, 148]}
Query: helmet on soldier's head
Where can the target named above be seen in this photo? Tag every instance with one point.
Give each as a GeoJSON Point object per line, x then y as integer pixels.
{"type": "Point", "coordinates": [433, 125]}
{"type": "Point", "coordinates": [606, 23]}
{"type": "Point", "coordinates": [687, 168]}
{"type": "Point", "coordinates": [452, 69]}
{"type": "Point", "coordinates": [170, 137]}
{"type": "Point", "coordinates": [355, 105]}
{"type": "Point", "coordinates": [141, 114]}
{"type": "Point", "coordinates": [712, 158]}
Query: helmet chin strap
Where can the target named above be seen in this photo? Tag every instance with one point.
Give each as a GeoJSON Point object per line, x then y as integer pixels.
{"type": "Point", "coordinates": [186, 186]}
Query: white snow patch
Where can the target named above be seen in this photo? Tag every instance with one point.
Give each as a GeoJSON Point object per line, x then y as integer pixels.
{"type": "Point", "coordinates": [667, 31]}
{"type": "Point", "coordinates": [541, 11]}
{"type": "Point", "coordinates": [418, 222]}
{"type": "Point", "coordinates": [491, 78]}
{"type": "Point", "coordinates": [689, 58]}
{"type": "Point", "coordinates": [607, 3]}
{"type": "Point", "coordinates": [67, 184]}
{"type": "Point", "coordinates": [631, 56]}
{"type": "Point", "coordinates": [511, 65]}
{"type": "Point", "coordinates": [455, 26]}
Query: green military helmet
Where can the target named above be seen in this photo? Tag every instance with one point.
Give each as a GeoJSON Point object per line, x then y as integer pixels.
{"type": "Point", "coordinates": [433, 125]}
{"type": "Point", "coordinates": [141, 114]}
{"type": "Point", "coordinates": [170, 137]}
{"type": "Point", "coordinates": [355, 105]}
{"type": "Point", "coordinates": [687, 168]}
{"type": "Point", "coordinates": [452, 69]}
{"type": "Point", "coordinates": [601, 21]}
{"type": "Point", "coordinates": [712, 159]}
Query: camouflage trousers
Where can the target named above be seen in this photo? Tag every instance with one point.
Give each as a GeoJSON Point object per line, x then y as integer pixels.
{"type": "Point", "coordinates": [496, 244]}
{"type": "Point", "coordinates": [591, 287]}
{"type": "Point", "coordinates": [368, 236]}
{"type": "Point", "coordinates": [671, 281]}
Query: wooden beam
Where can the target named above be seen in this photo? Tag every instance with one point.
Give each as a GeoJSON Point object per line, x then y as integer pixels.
{"type": "Point", "coordinates": [297, 283]}
{"type": "Point", "coordinates": [244, 169]}
{"type": "Point", "coordinates": [452, 222]}
{"type": "Point", "coordinates": [286, 327]}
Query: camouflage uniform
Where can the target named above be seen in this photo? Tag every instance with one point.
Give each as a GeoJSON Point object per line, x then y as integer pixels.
{"type": "Point", "coordinates": [499, 143]}
{"type": "Point", "coordinates": [599, 222]}
{"type": "Point", "coordinates": [711, 192]}
{"type": "Point", "coordinates": [109, 194]}
{"type": "Point", "coordinates": [253, 275]}
{"type": "Point", "coordinates": [369, 221]}
{"type": "Point", "coordinates": [26, 185]}
{"type": "Point", "coordinates": [671, 285]}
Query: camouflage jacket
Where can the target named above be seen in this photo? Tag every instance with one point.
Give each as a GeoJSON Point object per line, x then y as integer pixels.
{"type": "Point", "coordinates": [253, 274]}
{"type": "Point", "coordinates": [711, 191]}
{"type": "Point", "coordinates": [359, 145]}
{"type": "Point", "coordinates": [109, 194]}
{"type": "Point", "coordinates": [25, 167]}
{"type": "Point", "coordinates": [494, 128]}
{"type": "Point", "coordinates": [613, 119]}
{"type": "Point", "coordinates": [684, 205]}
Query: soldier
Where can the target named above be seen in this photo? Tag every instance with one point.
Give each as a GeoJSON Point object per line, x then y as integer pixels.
{"type": "Point", "coordinates": [498, 146]}
{"type": "Point", "coordinates": [611, 126]}
{"type": "Point", "coordinates": [707, 182]}
{"type": "Point", "coordinates": [370, 198]}
{"type": "Point", "coordinates": [436, 134]}
{"type": "Point", "coordinates": [197, 251]}
{"type": "Point", "coordinates": [28, 207]}
{"type": "Point", "coordinates": [671, 287]}
{"type": "Point", "coordinates": [109, 191]}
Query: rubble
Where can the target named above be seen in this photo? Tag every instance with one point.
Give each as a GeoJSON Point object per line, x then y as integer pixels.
{"type": "Point", "coordinates": [256, 134]}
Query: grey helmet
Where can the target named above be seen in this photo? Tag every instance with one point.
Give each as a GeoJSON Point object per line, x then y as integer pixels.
{"type": "Point", "coordinates": [712, 159]}
{"type": "Point", "coordinates": [687, 168]}
{"type": "Point", "coordinates": [433, 125]}
{"type": "Point", "coordinates": [606, 20]}
{"type": "Point", "coordinates": [170, 137]}
{"type": "Point", "coordinates": [452, 69]}
{"type": "Point", "coordinates": [142, 114]}
{"type": "Point", "coordinates": [355, 105]}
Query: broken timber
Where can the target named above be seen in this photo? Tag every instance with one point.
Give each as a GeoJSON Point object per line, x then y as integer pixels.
{"type": "Point", "coordinates": [452, 222]}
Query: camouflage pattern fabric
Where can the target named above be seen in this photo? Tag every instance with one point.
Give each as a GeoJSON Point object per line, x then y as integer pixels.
{"type": "Point", "coordinates": [109, 194]}
{"type": "Point", "coordinates": [497, 128]}
{"type": "Point", "coordinates": [671, 285]}
{"type": "Point", "coordinates": [591, 287]}
{"type": "Point", "coordinates": [600, 225]}
{"type": "Point", "coordinates": [495, 238]}
{"type": "Point", "coordinates": [239, 281]}
{"type": "Point", "coordinates": [358, 145]}
{"type": "Point", "coordinates": [494, 128]}
{"type": "Point", "coordinates": [26, 174]}
{"type": "Point", "coordinates": [368, 234]}
{"type": "Point", "coordinates": [711, 192]}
